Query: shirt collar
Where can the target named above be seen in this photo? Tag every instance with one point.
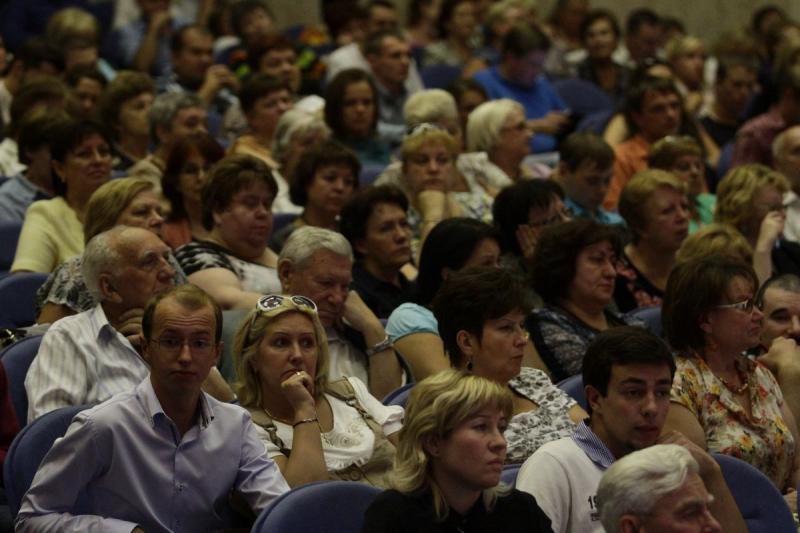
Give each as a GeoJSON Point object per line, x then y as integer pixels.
{"type": "Point", "coordinates": [592, 446]}
{"type": "Point", "coordinates": [152, 406]}
{"type": "Point", "coordinates": [99, 322]}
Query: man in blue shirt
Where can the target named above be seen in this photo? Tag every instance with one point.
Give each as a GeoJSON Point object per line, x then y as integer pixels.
{"type": "Point", "coordinates": [141, 460]}
{"type": "Point", "coordinates": [519, 77]}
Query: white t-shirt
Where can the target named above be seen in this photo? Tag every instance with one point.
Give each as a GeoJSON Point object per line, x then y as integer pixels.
{"type": "Point", "coordinates": [564, 482]}
{"type": "Point", "coordinates": [351, 441]}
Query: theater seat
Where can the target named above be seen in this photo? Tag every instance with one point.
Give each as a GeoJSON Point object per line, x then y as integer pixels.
{"type": "Point", "coordinates": [18, 297]}
{"type": "Point", "coordinates": [573, 386]}
{"type": "Point", "coordinates": [16, 359]}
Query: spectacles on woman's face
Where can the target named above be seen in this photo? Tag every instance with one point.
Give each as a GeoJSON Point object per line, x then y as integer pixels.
{"type": "Point", "coordinates": [745, 306]}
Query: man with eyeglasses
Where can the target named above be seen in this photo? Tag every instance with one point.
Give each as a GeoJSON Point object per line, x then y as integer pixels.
{"type": "Point", "coordinates": [89, 357]}
{"type": "Point", "coordinates": [143, 456]}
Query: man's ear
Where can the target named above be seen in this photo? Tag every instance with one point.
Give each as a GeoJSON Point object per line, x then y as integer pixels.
{"type": "Point", "coordinates": [108, 288]}
{"type": "Point", "coordinates": [629, 523]}
{"type": "Point", "coordinates": [704, 324]}
{"type": "Point", "coordinates": [592, 397]}
{"type": "Point", "coordinates": [285, 275]}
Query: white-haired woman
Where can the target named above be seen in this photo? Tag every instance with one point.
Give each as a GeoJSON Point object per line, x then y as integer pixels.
{"type": "Point", "coordinates": [314, 429]}
{"type": "Point", "coordinates": [499, 128]}
{"type": "Point", "coordinates": [438, 107]}
{"type": "Point", "coordinates": [449, 460]}
{"type": "Point", "coordinates": [297, 131]}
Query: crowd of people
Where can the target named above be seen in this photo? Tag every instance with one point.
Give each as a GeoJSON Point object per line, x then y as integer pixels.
{"type": "Point", "coordinates": [474, 204]}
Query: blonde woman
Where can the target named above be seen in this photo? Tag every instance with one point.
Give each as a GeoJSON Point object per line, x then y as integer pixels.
{"type": "Point", "coordinates": [312, 428]}
{"type": "Point", "coordinates": [686, 56]}
{"type": "Point", "coordinates": [715, 239]}
{"type": "Point", "coordinates": [750, 199]}
{"type": "Point", "coordinates": [449, 460]}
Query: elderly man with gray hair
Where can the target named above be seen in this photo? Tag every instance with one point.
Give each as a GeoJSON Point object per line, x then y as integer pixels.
{"type": "Point", "coordinates": [655, 489]}
{"type": "Point", "coordinates": [317, 263]}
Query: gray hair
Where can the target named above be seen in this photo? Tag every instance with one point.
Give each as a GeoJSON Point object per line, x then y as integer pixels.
{"type": "Point", "coordinates": [661, 469]}
{"type": "Point", "coordinates": [305, 241]}
{"type": "Point", "coordinates": [430, 105]}
{"type": "Point", "coordinates": [166, 106]}
{"type": "Point", "coordinates": [101, 255]}
{"type": "Point", "coordinates": [485, 123]}
{"type": "Point", "coordinates": [291, 122]}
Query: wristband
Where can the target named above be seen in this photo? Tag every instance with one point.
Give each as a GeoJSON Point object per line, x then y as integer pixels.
{"type": "Point", "coordinates": [385, 344]}
{"type": "Point", "coordinates": [304, 421]}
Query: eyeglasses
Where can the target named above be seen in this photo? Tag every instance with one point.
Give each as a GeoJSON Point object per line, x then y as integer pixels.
{"type": "Point", "coordinates": [745, 305]}
{"type": "Point", "coordinates": [271, 302]}
{"type": "Point", "coordinates": [174, 345]}
{"type": "Point", "coordinates": [560, 216]}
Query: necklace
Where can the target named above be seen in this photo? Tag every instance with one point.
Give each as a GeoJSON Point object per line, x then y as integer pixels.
{"type": "Point", "coordinates": [282, 420]}
{"type": "Point", "coordinates": [741, 388]}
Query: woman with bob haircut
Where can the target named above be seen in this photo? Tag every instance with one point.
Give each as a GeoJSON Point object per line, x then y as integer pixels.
{"type": "Point", "coordinates": [750, 199]}
{"type": "Point", "coordinates": [682, 156]}
{"type": "Point", "coordinates": [656, 210]}
{"type": "Point", "coordinates": [481, 315]}
{"type": "Point", "coordinates": [313, 429]}
{"type": "Point", "coordinates": [233, 263]}
{"type": "Point", "coordinates": [448, 464]}
{"type": "Point", "coordinates": [574, 270]}
{"type": "Point", "coordinates": [722, 400]}
{"type": "Point", "coordinates": [351, 112]}
{"type": "Point", "coordinates": [123, 202]}
{"type": "Point", "coordinates": [454, 244]}
{"type": "Point", "coordinates": [715, 239]}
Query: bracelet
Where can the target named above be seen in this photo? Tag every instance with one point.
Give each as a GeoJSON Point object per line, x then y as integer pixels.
{"type": "Point", "coordinates": [385, 344]}
{"type": "Point", "coordinates": [305, 420]}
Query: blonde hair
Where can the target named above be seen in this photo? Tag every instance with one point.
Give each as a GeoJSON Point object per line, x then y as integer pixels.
{"type": "Point", "coordinates": [430, 105]}
{"type": "Point", "coordinates": [666, 152]}
{"type": "Point", "coordinates": [639, 189]}
{"type": "Point", "coordinates": [715, 239]}
{"type": "Point", "coordinates": [248, 338]}
{"type": "Point", "coordinates": [427, 136]}
{"type": "Point", "coordinates": [681, 45]}
{"type": "Point", "coordinates": [109, 201]}
{"type": "Point", "coordinates": [485, 123]}
{"type": "Point", "coordinates": [436, 406]}
{"type": "Point", "coordinates": [736, 190]}
{"type": "Point", "coordinates": [72, 23]}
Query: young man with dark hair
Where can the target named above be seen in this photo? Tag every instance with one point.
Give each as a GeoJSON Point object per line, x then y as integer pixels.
{"type": "Point", "coordinates": [643, 36]}
{"type": "Point", "coordinates": [627, 377]}
{"type": "Point", "coordinates": [735, 84]}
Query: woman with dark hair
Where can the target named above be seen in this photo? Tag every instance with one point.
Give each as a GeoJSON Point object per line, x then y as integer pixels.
{"type": "Point", "coordinates": [455, 25]}
{"type": "Point", "coordinates": [468, 94]}
{"type": "Point", "coordinates": [564, 28]}
{"type": "Point", "coordinates": [574, 269]}
{"type": "Point", "coordinates": [351, 111]}
{"type": "Point", "coordinates": [233, 263]}
{"type": "Point", "coordinates": [449, 460]}
{"type": "Point", "coordinates": [599, 33]}
{"type": "Point", "coordinates": [481, 317]}
{"type": "Point", "coordinates": [421, 22]}
{"type": "Point", "coordinates": [452, 245]}
{"type": "Point", "coordinates": [323, 182]}
{"type": "Point", "coordinates": [188, 163]}
{"type": "Point", "coordinates": [722, 400]}
{"type": "Point", "coordinates": [521, 212]}
{"type": "Point", "coordinates": [123, 107]}
{"type": "Point", "coordinates": [53, 229]}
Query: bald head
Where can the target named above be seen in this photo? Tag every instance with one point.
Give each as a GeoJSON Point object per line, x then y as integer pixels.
{"type": "Point", "coordinates": [786, 155]}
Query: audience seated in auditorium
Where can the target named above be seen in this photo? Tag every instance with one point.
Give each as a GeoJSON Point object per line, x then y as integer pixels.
{"type": "Point", "coordinates": [375, 222]}
{"type": "Point", "coordinates": [53, 229]}
{"type": "Point", "coordinates": [313, 428]}
{"type": "Point", "coordinates": [584, 172]}
{"type": "Point", "coordinates": [453, 244]}
{"type": "Point", "coordinates": [656, 211]}
{"type": "Point", "coordinates": [456, 25]}
{"type": "Point", "coordinates": [155, 442]}
{"type": "Point", "coordinates": [721, 400]}
{"type": "Point", "coordinates": [573, 271]}
{"type": "Point", "coordinates": [734, 86]}
{"type": "Point", "coordinates": [188, 165]}
{"type": "Point", "coordinates": [627, 373]}
{"type": "Point", "coordinates": [786, 160]}
{"type": "Point", "coordinates": [519, 77]}
{"type": "Point", "coordinates": [233, 263]}
{"type": "Point", "coordinates": [676, 499]}
{"type": "Point", "coordinates": [481, 313]}
{"type": "Point", "coordinates": [600, 35]}
{"type": "Point", "coordinates": [317, 263]}
{"type": "Point", "coordinates": [124, 108]}
{"type": "Point", "coordinates": [449, 461]}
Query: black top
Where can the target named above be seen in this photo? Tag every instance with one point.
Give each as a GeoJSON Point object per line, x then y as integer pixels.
{"type": "Point", "coordinates": [393, 511]}
{"type": "Point", "coordinates": [721, 133]}
{"type": "Point", "coordinates": [381, 297]}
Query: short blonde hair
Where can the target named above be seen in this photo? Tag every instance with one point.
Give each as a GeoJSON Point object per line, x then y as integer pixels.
{"type": "Point", "coordinates": [638, 190]}
{"type": "Point", "coordinates": [248, 338]}
{"type": "Point", "coordinates": [485, 123]}
{"type": "Point", "coordinates": [72, 23]}
{"type": "Point", "coordinates": [715, 239]}
{"type": "Point", "coordinates": [430, 105]}
{"type": "Point", "coordinates": [666, 152]}
{"type": "Point", "coordinates": [681, 45]}
{"type": "Point", "coordinates": [436, 406]}
{"type": "Point", "coordinates": [736, 190]}
{"type": "Point", "coordinates": [109, 201]}
{"type": "Point", "coordinates": [426, 136]}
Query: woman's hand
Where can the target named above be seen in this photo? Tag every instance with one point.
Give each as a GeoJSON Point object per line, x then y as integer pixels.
{"type": "Point", "coordinates": [298, 390]}
{"type": "Point", "coordinates": [771, 229]}
{"type": "Point", "coordinates": [527, 237]}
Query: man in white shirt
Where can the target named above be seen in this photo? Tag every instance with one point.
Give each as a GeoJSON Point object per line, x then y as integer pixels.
{"type": "Point", "coordinates": [317, 263]}
{"type": "Point", "coordinates": [627, 375]}
{"type": "Point", "coordinates": [143, 457]}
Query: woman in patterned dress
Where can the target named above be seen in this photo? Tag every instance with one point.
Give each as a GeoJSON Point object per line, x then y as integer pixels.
{"type": "Point", "coordinates": [723, 400]}
{"type": "Point", "coordinates": [481, 315]}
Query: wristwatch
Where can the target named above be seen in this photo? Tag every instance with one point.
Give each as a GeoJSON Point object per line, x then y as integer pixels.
{"type": "Point", "coordinates": [385, 344]}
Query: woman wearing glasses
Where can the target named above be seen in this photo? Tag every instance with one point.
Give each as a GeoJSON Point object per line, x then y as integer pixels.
{"type": "Point", "coordinates": [312, 428]}
{"type": "Point", "coordinates": [656, 209]}
{"type": "Point", "coordinates": [722, 400]}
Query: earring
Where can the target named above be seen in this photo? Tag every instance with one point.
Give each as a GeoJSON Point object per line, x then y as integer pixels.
{"type": "Point", "coordinates": [469, 365]}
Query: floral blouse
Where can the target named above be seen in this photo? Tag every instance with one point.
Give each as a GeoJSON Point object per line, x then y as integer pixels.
{"type": "Point", "coordinates": [763, 439]}
{"type": "Point", "coordinates": [529, 430]}
{"type": "Point", "coordinates": [632, 290]}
